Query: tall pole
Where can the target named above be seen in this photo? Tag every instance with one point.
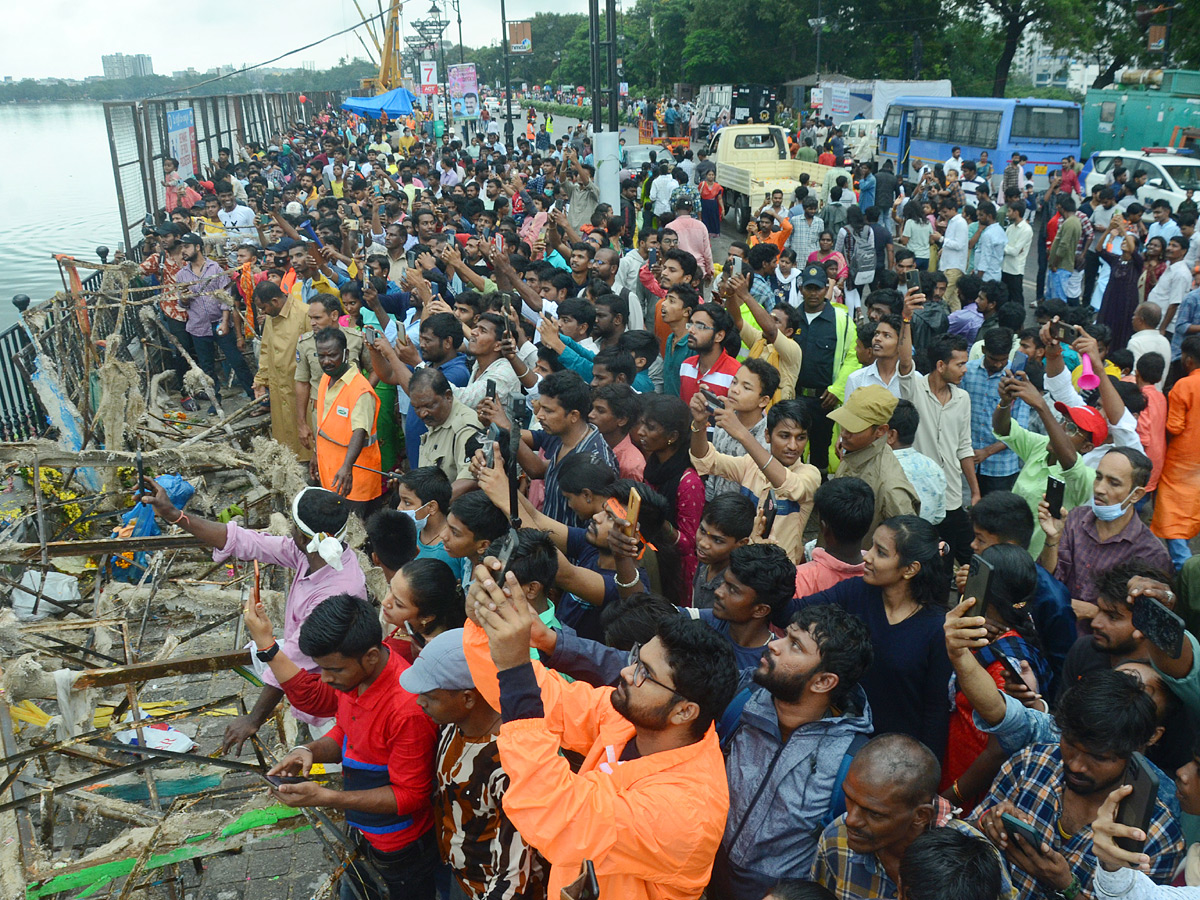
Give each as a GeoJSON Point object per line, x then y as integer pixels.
{"type": "Point", "coordinates": [594, 36]}
{"type": "Point", "coordinates": [613, 85]}
{"type": "Point", "coordinates": [508, 125]}
{"type": "Point", "coordinates": [458, 10]}
{"type": "Point", "coordinates": [820, 28]}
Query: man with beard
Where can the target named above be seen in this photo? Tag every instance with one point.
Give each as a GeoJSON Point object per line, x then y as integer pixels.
{"type": "Point", "coordinates": [347, 459]}
{"type": "Point", "coordinates": [798, 726]}
{"type": "Point", "coordinates": [711, 368]}
{"type": "Point", "coordinates": [891, 799]}
{"type": "Point", "coordinates": [382, 738]}
{"type": "Point", "coordinates": [208, 320]}
{"type": "Point", "coordinates": [1058, 789]}
{"type": "Point", "coordinates": [652, 760]}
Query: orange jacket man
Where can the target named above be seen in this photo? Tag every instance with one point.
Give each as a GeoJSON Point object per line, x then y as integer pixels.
{"type": "Point", "coordinates": [346, 412]}
{"type": "Point", "coordinates": [648, 806]}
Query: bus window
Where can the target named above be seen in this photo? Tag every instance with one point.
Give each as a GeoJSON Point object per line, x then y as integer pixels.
{"type": "Point", "coordinates": [964, 127]}
{"type": "Point", "coordinates": [921, 123]}
{"type": "Point", "coordinates": [1046, 123]}
{"type": "Point", "coordinates": [891, 125]}
{"type": "Point", "coordinates": [987, 130]}
{"type": "Point", "coordinates": [942, 128]}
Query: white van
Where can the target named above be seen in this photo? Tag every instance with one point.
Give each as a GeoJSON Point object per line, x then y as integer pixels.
{"type": "Point", "coordinates": [862, 138]}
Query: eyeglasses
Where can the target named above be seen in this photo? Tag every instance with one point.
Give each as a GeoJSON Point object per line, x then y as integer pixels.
{"type": "Point", "coordinates": [700, 326]}
{"type": "Point", "coordinates": [641, 676]}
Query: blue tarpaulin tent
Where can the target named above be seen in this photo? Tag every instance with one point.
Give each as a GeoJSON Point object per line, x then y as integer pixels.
{"type": "Point", "coordinates": [396, 102]}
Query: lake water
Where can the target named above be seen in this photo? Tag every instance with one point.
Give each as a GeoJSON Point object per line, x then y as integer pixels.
{"type": "Point", "coordinates": [56, 195]}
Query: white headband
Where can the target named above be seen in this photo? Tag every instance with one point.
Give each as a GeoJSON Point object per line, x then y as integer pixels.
{"type": "Point", "coordinates": [328, 547]}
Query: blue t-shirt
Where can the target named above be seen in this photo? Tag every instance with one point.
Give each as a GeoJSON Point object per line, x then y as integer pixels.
{"type": "Point", "coordinates": [747, 657]}
{"type": "Point", "coordinates": [437, 550]}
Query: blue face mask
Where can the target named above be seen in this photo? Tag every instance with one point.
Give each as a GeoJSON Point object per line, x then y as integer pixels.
{"type": "Point", "coordinates": [1111, 512]}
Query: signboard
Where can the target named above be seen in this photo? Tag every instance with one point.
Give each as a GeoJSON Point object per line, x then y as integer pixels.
{"type": "Point", "coordinates": [818, 98]}
{"type": "Point", "coordinates": [464, 91]}
{"type": "Point", "coordinates": [840, 102]}
{"type": "Point", "coordinates": [624, 88]}
{"type": "Point", "coordinates": [181, 139]}
{"type": "Point", "coordinates": [429, 79]}
{"type": "Point", "coordinates": [520, 37]}
{"type": "Point", "coordinates": [1157, 38]}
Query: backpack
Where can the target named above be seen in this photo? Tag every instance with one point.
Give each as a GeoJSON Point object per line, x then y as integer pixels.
{"type": "Point", "coordinates": [731, 721]}
{"type": "Point", "coordinates": [862, 251]}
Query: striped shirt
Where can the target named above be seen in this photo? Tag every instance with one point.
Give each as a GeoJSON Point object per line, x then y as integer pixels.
{"type": "Point", "coordinates": [717, 379]}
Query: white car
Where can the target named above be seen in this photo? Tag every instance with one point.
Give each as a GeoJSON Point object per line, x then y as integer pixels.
{"type": "Point", "coordinates": [1170, 173]}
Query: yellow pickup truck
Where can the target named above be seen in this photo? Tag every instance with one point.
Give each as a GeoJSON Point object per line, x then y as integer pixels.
{"type": "Point", "coordinates": [754, 160]}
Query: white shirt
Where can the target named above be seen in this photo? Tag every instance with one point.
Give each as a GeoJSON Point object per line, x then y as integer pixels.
{"type": "Point", "coordinates": [239, 222]}
{"type": "Point", "coordinates": [627, 271]}
{"type": "Point", "coordinates": [1171, 287]}
{"type": "Point", "coordinates": [952, 165]}
{"type": "Point", "coordinates": [1019, 238]}
{"type": "Point", "coordinates": [870, 375]}
{"type": "Point", "coordinates": [660, 193]}
{"type": "Point", "coordinates": [1149, 340]}
{"type": "Point", "coordinates": [954, 250]}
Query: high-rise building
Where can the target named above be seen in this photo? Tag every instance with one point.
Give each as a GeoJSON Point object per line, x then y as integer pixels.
{"type": "Point", "coordinates": [118, 65]}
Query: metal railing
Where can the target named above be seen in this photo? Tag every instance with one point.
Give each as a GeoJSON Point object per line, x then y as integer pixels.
{"type": "Point", "coordinates": [138, 139]}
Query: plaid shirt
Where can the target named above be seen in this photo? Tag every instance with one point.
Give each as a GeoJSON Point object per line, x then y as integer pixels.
{"type": "Point", "coordinates": [1082, 553]}
{"type": "Point", "coordinates": [984, 389]}
{"type": "Point", "coordinates": [804, 237]}
{"type": "Point", "coordinates": [860, 876]}
{"type": "Point", "coordinates": [1032, 781]}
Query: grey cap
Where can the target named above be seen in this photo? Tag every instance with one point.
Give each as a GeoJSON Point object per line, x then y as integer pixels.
{"type": "Point", "coordinates": [441, 665]}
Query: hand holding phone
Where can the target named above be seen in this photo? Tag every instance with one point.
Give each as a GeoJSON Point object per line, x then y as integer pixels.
{"type": "Point", "coordinates": [770, 511]}
{"type": "Point", "coordinates": [1162, 627]}
{"type": "Point", "coordinates": [1014, 827]}
{"type": "Point", "coordinates": [1137, 810]}
{"type": "Point", "coordinates": [1056, 490]}
{"type": "Point", "coordinates": [979, 574]}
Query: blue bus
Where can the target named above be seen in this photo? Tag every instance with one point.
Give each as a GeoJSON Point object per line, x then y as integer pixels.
{"type": "Point", "coordinates": [920, 131]}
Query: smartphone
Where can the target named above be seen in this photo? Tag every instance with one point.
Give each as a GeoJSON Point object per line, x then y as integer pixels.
{"type": "Point", "coordinates": [737, 265]}
{"type": "Point", "coordinates": [770, 510]}
{"type": "Point", "coordinates": [491, 389]}
{"type": "Point", "coordinates": [1018, 362]}
{"type": "Point", "coordinates": [979, 574]}
{"type": "Point", "coordinates": [411, 256]}
{"type": "Point", "coordinates": [352, 224]}
{"type": "Point", "coordinates": [912, 279]}
{"type": "Point", "coordinates": [585, 887]}
{"type": "Point", "coordinates": [653, 256]}
{"type": "Point", "coordinates": [1014, 826]}
{"type": "Point", "coordinates": [1055, 495]}
{"type": "Point", "coordinates": [1161, 627]}
{"type": "Point", "coordinates": [277, 780]}
{"type": "Point", "coordinates": [378, 189]}
{"type": "Point", "coordinates": [1062, 332]}
{"type": "Point", "coordinates": [490, 437]}
{"type": "Point", "coordinates": [498, 242]}
{"type": "Point", "coordinates": [632, 511]}
{"type": "Point", "coordinates": [711, 399]}
{"type": "Point", "coordinates": [1137, 809]}
{"type": "Point", "coordinates": [1014, 674]}
{"type": "Point", "coordinates": [120, 246]}
{"type": "Point", "coordinates": [370, 334]}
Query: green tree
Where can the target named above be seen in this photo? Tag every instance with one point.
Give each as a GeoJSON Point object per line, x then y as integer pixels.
{"type": "Point", "coordinates": [708, 57]}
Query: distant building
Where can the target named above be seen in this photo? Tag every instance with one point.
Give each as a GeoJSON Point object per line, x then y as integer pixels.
{"type": "Point", "coordinates": [118, 65]}
{"type": "Point", "coordinates": [1048, 67]}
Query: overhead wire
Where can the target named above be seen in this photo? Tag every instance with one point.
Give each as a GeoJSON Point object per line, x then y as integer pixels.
{"type": "Point", "coordinates": [245, 69]}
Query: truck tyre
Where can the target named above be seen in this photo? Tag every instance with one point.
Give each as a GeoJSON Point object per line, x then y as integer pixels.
{"type": "Point", "coordinates": [741, 216]}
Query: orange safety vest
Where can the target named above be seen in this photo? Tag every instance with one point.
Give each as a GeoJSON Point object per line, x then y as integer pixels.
{"type": "Point", "coordinates": [333, 437]}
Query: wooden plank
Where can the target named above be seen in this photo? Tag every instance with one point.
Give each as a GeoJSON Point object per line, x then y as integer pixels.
{"type": "Point", "coordinates": [167, 668]}
{"type": "Point", "coordinates": [23, 554]}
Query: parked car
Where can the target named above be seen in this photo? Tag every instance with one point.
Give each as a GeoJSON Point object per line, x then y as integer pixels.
{"type": "Point", "coordinates": [1170, 173]}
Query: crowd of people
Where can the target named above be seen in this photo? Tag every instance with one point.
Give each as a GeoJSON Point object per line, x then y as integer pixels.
{"type": "Point", "coordinates": [820, 571]}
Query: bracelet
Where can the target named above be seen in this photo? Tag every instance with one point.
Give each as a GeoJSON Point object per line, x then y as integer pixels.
{"type": "Point", "coordinates": [906, 321]}
{"type": "Point", "coordinates": [694, 429]}
{"type": "Point", "coordinates": [762, 467]}
{"type": "Point", "coordinates": [636, 581]}
{"type": "Point", "coordinates": [1004, 405]}
{"type": "Point", "coordinates": [302, 747]}
{"type": "Point", "coordinates": [258, 649]}
{"type": "Point", "coordinates": [182, 518]}
{"type": "Point", "coordinates": [956, 792]}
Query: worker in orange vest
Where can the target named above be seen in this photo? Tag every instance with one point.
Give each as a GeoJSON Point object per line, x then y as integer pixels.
{"type": "Point", "coordinates": [348, 458]}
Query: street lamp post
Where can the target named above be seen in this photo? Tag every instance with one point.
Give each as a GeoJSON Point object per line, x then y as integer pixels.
{"type": "Point", "coordinates": [432, 29]}
{"type": "Point", "coordinates": [508, 125]}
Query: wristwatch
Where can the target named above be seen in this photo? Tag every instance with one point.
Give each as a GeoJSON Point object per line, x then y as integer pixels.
{"type": "Point", "coordinates": [268, 654]}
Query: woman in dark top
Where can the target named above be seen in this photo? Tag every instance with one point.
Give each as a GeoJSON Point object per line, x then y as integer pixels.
{"type": "Point", "coordinates": [901, 596]}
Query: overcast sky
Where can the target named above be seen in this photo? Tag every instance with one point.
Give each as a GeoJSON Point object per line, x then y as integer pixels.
{"type": "Point", "coordinates": [66, 38]}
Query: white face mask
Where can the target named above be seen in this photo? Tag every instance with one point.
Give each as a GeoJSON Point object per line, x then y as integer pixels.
{"type": "Point", "coordinates": [419, 520]}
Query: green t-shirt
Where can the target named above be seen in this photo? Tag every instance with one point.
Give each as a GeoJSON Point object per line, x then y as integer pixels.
{"type": "Point", "coordinates": [1031, 482]}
